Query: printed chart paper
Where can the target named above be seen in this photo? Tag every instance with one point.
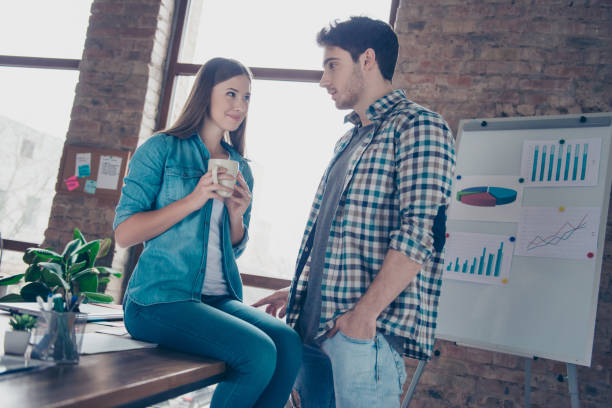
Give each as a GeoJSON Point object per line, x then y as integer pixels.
{"type": "Point", "coordinates": [564, 162]}
{"type": "Point", "coordinates": [108, 172]}
{"type": "Point", "coordinates": [549, 232]}
{"type": "Point", "coordinates": [486, 198]}
{"type": "Point", "coordinates": [479, 258]}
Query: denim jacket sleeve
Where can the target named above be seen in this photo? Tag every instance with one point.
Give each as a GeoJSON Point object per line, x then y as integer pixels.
{"type": "Point", "coordinates": [143, 182]}
{"type": "Point", "coordinates": [246, 218]}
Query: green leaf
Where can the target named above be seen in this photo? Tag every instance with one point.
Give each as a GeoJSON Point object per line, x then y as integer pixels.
{"type": "Point", "coordinates": [69, 249]}
{"type": "Point", "coordinates": [105, 245]}
{"type": "Point", "coordinates": [77, 267]}
{"type": "Point", "coordinates": [33, 289]}
{"type": "Point", "coordinates": [84, 272]}
{"type": "Point", "coordinates": [11, 297]}
{"type": "Point", "coordinates": [98, 297]}
{"type": "Point", "coordinates": [11, 280]}
{"type": "Point", "coordinates": [92, 248]}
{"type": "Point", "coordinates": [87, 282]}
{"type": "Point", "coordinates": [102, 281]}
{"type": "Point", "coordinates": [51, 278]}
{"type": "Point", "coordinates": [78, 235]}
{"type": "Point", "coordinates": [52, 266]}
{"type": "Point", "coordinates": [32, 274]}
{"type": "Point", "coordinates": [32, 255]}
{"type": "Point", "coordinates": [106, 270]}
{"type": "Point", "coordinates": [84, 257]}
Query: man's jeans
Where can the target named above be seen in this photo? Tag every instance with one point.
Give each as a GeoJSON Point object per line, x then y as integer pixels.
{"type": "Point", "coordinates": [351, 373]}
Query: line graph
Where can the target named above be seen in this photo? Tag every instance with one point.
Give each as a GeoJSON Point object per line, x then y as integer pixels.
{"type": "Point", "coordinates": [563, 234]}
{"type": "Point", "coordinates": [568, 233]}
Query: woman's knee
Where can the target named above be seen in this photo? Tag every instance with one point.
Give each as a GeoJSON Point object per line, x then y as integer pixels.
{"type": "Point", "coordinates": [289, 346]}
{"type": "Point", "coordinates": [261, 356]}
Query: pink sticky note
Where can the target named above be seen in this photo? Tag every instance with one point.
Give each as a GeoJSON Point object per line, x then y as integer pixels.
{"type": "Point", "coordinates": [72, 182]}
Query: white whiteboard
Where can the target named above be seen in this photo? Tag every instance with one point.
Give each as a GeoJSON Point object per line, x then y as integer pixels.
{"type": "Point", "coordinates": [547, 307]}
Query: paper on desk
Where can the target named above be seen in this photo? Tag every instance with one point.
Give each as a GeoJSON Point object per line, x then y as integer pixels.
{"type": "Point", "coordinates": [111, 323]}
{"type": "Point", "coordinates": [94, 343]}
{"type": "Point", "coordinates": [116, 331]}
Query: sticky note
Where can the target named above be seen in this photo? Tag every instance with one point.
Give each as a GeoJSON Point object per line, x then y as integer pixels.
{"type": "Point", "coordinates": [72, 182]}
{"type": "Point", "coordinates": [90, 186]}
{"type": "Point", "coordinates": [84, 171]}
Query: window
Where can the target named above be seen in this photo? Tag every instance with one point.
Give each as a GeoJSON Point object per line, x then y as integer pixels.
{"type": "Point", "coordinates": [51, 29]}
{"type": "Point", "coordinates": [292, 125]}
{"type": "Point", "coordinates": [27, 149]}
{"type": "Point", "coordinates": [267, 33]}
{"type": "Point", "coordinates": [35, 108]}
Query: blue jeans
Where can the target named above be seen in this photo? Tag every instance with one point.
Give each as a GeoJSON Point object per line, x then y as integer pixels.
{"type": "Point", "coordinates": [351, 373]}
{"type": "Point", "coordinates": [262, 353]}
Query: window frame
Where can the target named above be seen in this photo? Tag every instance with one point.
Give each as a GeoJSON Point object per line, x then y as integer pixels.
{"type": "Point", "coordinates": [174, 69]}
{"type": "Point", "coordinates": [39, 63]}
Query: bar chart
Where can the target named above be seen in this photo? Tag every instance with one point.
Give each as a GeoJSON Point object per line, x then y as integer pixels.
{"type": "Point", "coordinates": [482, 258]}
{"type": "Point", "coordinates": [487, 264]}
{"type": "Point", "coordinates": [571, 162]}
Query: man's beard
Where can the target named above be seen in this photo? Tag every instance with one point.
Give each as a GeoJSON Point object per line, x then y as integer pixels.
{"type": "Point", "coordinates": [353, 91]}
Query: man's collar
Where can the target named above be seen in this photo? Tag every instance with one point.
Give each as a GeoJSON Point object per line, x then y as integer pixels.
{"type": "Point", "coordinates": [379, 108]}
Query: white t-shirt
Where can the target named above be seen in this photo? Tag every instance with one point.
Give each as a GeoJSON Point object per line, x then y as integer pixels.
{"type": "Point", "coordinates": [214, 281]}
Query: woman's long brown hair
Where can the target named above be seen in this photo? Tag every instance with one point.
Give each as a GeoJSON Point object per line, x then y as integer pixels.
{"type": "Point", "coordinates": [197, 107]}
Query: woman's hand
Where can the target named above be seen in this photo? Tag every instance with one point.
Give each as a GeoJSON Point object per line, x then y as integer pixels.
{"type": "Point", "coordinates": [240, 200]}
{"type": "Point", "coordinates": [207, 189]}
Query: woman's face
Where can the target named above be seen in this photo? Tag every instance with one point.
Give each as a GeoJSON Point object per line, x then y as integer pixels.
{"type": "Point", "coordinates": [229, 102]}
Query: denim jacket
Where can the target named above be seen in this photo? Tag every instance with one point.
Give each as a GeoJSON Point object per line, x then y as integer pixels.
{"type": "Point", "coordinates": [172, 265]}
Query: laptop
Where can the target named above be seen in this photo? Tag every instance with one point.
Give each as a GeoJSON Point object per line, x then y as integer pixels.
{"type": "Point", "coordinates": [95, 311]}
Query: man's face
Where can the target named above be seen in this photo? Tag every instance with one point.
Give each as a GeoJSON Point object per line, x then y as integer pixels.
{"type": "Point", "coordinates": [342, 77]}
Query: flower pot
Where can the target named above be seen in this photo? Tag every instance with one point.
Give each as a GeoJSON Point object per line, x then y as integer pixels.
{"type": "Point", "coordinates": [16, 342]}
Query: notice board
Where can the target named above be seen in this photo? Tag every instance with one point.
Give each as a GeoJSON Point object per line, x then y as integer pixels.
{"type": "Point", "coordinates": [93, 171]}
{"type": "Point", "coordinates": [526, 233]}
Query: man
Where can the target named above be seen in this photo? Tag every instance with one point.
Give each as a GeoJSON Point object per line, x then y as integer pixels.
{"type": "Point", "coordinates": [369, 269]}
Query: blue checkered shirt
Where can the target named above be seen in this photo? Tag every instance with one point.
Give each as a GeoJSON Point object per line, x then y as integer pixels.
{"type": "Point", "coordinates": [395, 195]}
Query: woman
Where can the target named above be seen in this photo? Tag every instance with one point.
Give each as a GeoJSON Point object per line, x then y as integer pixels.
{"type": "Point", "coordinates": [185, 292]}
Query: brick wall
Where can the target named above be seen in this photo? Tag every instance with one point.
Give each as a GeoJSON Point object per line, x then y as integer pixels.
{"type": "Point", "coordinates": [476, 59]}
{"type": "Point", "coordinates": [462, 58]}
{"type": "Point", "coordinates": [115, 103]}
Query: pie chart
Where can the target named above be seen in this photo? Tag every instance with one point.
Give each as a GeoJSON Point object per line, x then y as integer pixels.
{"type": "Point", "coordinates": [486, 196]}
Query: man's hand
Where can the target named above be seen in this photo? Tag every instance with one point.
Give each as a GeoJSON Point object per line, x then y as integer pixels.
{"type": "Point", "coordinates": [277, 302]}
{"type": "Point", "coordinates": [355, 324]}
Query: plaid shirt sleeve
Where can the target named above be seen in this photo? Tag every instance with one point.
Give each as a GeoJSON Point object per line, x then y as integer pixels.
{"type": "Point", "coordinates": [424, 161]}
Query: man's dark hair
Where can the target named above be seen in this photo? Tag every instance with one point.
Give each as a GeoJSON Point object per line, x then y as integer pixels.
{"type": "Point", "coordinates": [357, 34]}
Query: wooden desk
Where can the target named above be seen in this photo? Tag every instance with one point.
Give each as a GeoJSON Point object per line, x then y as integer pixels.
{"type": "Point", "coordinates": [131, 378]}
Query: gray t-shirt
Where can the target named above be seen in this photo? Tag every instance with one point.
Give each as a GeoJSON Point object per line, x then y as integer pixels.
{"type": "Point", "coordinates": [308, 321]}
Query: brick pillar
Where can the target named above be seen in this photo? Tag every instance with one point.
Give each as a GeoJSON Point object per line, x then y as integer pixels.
{"type": "Point", "coordinates": [116, 101]}
{"type": "Point", "coordinates": [491, 58]}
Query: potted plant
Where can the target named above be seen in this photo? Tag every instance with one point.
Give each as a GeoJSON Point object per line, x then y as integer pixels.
{"type": "Point", "coordinates": [70, 273]}
{"type": "Point", "coordinates": [16, 341]}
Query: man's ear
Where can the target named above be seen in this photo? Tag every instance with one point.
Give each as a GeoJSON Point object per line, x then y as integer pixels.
{"type": "Point", "coordinates": [368, 59]}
